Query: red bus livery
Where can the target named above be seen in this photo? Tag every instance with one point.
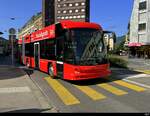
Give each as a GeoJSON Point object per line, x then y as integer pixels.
{"type": "Point", "coordinates": [69, 50]}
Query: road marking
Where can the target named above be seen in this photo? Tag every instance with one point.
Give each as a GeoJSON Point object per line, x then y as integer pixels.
{"type": "Point", "coordinates": [94, 95]}
{"type": "Point", "coordinates": [15, 90]}
{"type": "Point", "coordinates": [130, 86]}
{"type": "Point", "coordinates": [144, 71]}
{"type": "Point", "coordinates": [140, 84]}
{"type": "Point", "coordinates": [135, 76]}
{"type": "Point", "coordinates": [62, 92]}
{"type": "Point", "coordinates": [112, 89]}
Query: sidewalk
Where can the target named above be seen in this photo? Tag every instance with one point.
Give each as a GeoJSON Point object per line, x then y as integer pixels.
{"type": "Point", "coordinates": [19, 94]}
{"type": "Point", "coordinates": [139, 65]}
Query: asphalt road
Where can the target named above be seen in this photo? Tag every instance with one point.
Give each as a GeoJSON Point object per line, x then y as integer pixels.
{"type": "Point", "coordinates": [125, 91]}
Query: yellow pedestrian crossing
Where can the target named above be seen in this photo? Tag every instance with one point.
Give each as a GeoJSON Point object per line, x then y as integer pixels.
{"type": "Point", "coordinates": [144, 71]}
{"type": "Point", "coordinates": [62, 92]}
{"type": "Point", "coordinates": [91, 92]}
{"type": "Point", "coordinates": [69, 99]}
{"type": "Point", "coordinates": [112, 89]}
{"type": "Point", "coordinates": [130, 86]}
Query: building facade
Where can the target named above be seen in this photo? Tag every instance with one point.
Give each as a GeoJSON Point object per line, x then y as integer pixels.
{"type": "Point", "coordinates": [3, 46]}
{"type": "Point", "coordinates": [54, 11]}
{"type": "Point", "coordinates": [140, 29]}
{"type": "Point", "coordinates": [48, 12]}
{"type": "Point", "coordinates": [57, 10]}
{"type": "Point", "coordinates": [35, 23]}
{"type": "Point", "coordinates": [109, 42]}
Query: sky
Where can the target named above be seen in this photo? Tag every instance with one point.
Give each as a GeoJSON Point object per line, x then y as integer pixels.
{"type": "Point", "coordinates": [112, 15]}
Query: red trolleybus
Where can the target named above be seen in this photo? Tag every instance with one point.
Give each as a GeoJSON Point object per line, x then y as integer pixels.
{"type": "Point", "coordinates": [69, 50]}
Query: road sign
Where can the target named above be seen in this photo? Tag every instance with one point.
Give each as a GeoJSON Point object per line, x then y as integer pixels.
{"type": "Point", "coordinates": [12, 31]}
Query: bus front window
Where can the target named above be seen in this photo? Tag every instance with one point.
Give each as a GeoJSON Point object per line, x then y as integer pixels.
{"type": "Point", "coordinates": [87, 47]}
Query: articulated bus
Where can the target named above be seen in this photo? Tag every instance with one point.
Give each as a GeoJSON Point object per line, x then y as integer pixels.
{"type": "Point", "coordinates": [68, 50]}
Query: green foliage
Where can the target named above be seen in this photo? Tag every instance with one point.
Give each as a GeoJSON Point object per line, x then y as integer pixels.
{"type": "Point", "coordinates": [120, 45]}
{"type": "Point", "coordinates": [117, 62]}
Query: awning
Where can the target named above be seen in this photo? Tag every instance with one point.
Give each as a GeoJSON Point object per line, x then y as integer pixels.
{"type": "Point", "coordinates": [135, 44]}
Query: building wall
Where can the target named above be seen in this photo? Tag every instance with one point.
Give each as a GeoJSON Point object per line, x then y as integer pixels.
{"type": "Point", "coordinates": [35, 23]}
{"type": "Point", "coordinates": [109, 42]}
{"type": "Point", "coordinates": [134, 23]}
{"type": "Point", "coordinates": [48, 12]}
{"type": "Point", "coordinates": [77, 10]}
{"type": "Point", "coordinates": [140, 17]}
{"type": "Point", "coordinates": [50, 8]}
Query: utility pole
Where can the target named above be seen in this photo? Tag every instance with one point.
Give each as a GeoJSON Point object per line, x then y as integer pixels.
{"type": "Point", "coordinates": [12, 33]}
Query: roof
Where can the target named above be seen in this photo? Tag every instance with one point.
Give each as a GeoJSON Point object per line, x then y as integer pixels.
{"type": "Point", "coordinates": [74, 24]}
{"type": "Point", "coordinates": [1, 38]}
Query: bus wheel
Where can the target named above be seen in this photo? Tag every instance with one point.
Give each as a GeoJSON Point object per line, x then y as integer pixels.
{"type": "Point", "coordinates": [51, 71]}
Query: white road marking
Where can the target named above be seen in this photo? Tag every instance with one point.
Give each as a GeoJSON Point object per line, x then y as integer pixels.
{"type": "Point", "coordinates": [140, 84]}
{"type": "Point", "coordinates": [15, 90]}
{"type": "Point", "coordinates": [137, 76]}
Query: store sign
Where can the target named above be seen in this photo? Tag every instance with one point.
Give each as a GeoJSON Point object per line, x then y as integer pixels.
{"type": "Point", "coordinates": [43, 34]}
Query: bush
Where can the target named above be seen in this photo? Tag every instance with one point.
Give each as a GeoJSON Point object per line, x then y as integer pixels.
{"type": "Point", "coordinates": [117, 62]}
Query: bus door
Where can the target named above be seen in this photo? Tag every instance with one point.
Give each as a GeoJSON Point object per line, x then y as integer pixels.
{"type": "Point", "coordinates": [60, 56]}
{"type": "Point", "coordinates": [37, 55]}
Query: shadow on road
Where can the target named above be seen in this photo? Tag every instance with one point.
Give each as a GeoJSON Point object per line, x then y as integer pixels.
{"type": "Point", "coordinates": [28, 111]}
{"type": "Point", "coordinates": [7, 71]}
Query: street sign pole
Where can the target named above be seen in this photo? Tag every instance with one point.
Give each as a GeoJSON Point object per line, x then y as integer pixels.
{"type": "Point", "coordinates": [12, 50]}
{"type": "Point", "coordinates": [12, 33]}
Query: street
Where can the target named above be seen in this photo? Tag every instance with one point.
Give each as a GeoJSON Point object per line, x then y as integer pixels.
{"type": "Point", "coordinates": [75, 56]}
{"type": "Point", "coordinates": [125, 91]}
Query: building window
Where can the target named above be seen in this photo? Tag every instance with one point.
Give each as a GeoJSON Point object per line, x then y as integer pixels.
{"type": "Point", "coordinates": [58, 17]}
{"type": "Point", "coordinates": [83, 4]}
{"type": "Point", "coordinates": [79, 17]}
{"type": "Point", "coordinates": [82, 10]}
{"type": "Point", "coordinates": [64, 11]}
{"type": "Point", "coordinates": [59, 12]}
{"type": "Point", "coordinates": [77, 4]}
{"type": "Point", "coordinates": [59, 5]}
{"type": "Point", "coordinates": [64, 5]}
{"type": "Point", "coordinates": [83, 16]}
{"type": "Point", "coordinates": [142, 27]}
{"type": "Point", "coordinates": [74, 17]}
{"type": "Point", "coordinates": [143, 5]}
{"type": "Point", "coordinates": [66, 17]}
{"type": "Point", "coordinates": [76, 10]}
{"type": "Point", "coordinates": [70, 17]}
{"type": "Point", "coordinates": [70, 5]}
{"type": "Point", "coordinates": [70, 11]}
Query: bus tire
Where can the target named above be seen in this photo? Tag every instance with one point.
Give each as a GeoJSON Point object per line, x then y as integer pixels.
{"type": "Point", "coordinates": [51, 70]}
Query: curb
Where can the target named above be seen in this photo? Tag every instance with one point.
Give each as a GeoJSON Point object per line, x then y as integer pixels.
{"type": "Point", "coordinates": [43, 99]}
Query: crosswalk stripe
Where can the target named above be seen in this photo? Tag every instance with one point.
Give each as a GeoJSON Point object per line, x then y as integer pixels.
{"type": "Point", "coordinates": [130, 86]}
{"type": "Point", "coordinates": [112, 89]}
{"type": "Point", "coordinates": [144, 71]}
{"type": "Point", "coordinates": [62, 92]}
{"type": "Point", "coordinates": [91, 92]}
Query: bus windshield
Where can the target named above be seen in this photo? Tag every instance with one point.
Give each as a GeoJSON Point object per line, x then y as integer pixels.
{"type": "Point", "coordinates": [85, 47]}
